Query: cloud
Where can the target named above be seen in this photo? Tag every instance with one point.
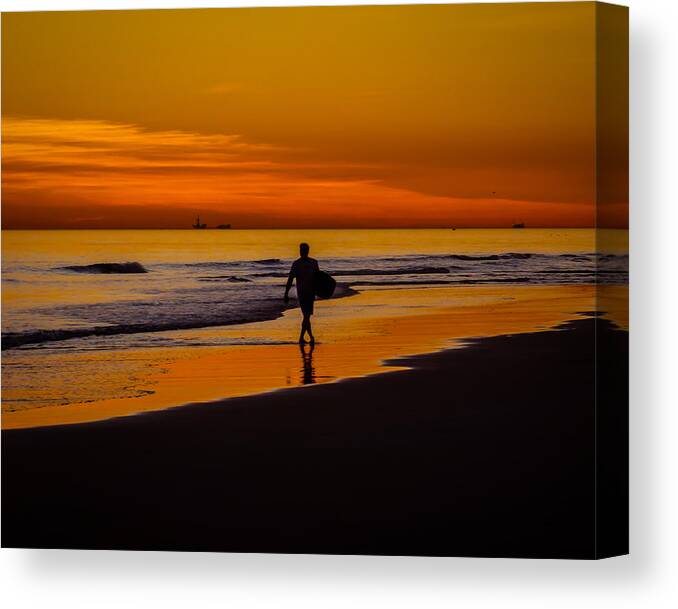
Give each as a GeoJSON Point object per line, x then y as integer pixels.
{"type": "Point", "coordinates": [61, 173]}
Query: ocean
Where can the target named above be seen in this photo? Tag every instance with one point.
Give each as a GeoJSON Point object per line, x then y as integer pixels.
{"type": "Point", "coordinates": [76, 304]}
{"type": "Point", "coordinates": [61, 285]}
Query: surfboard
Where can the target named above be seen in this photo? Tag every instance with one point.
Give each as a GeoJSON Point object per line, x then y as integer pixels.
{"type": "Point", "coordinates": [323, 285]}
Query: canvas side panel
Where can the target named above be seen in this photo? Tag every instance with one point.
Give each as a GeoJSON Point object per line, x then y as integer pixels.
{"type": "Point", "coordinates": [612, 338]}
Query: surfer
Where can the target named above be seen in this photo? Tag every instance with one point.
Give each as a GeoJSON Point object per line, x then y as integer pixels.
{"type": "Point", "coordinates": [303, 270]}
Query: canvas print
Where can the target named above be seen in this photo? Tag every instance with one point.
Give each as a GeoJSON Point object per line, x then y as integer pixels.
{"type": "Point", "coordinates": [330, 280]}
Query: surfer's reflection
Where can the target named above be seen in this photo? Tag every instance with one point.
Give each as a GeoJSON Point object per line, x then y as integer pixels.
{"type": "Point", "coordinates": [307, 369]}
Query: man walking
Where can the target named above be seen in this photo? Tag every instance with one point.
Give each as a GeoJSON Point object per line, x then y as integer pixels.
{"type": "Point", "coordinates": [303, 270]}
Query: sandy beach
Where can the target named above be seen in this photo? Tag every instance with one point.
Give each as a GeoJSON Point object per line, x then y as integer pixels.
{"type": "Point", "coordinates": [483, 451]}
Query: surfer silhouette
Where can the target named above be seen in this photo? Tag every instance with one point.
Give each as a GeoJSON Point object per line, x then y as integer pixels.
{"type": "Point", "coordinates": [303, 271]}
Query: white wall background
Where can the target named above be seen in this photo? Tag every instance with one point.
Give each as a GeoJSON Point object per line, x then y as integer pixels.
{"type": "Point", "coordinates": [647, 578]}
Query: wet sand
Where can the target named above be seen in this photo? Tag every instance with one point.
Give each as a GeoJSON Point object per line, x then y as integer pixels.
{"type": "Point", "coordinates": [357, 335]}
{"type": "Point", "coordinates": [488, 450]}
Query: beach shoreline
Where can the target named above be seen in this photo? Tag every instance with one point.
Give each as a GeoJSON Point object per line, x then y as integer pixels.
{"type": "Point", "coordinates": [480, 451]}
{"type": "Point", "coordinates": [187, 330]}
{"type": "Point", "coordinates": [386, 323]}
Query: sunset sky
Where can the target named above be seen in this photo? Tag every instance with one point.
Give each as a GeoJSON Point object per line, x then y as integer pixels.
{"type": "Point", "coordinates": [419, 116]}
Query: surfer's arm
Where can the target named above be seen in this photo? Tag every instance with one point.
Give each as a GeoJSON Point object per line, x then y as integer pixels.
{"type": "Point", "coordinates": [290, 280]}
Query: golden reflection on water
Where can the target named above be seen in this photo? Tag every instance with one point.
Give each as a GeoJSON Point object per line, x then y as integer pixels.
{"type": "Point", "coordinates": [357, 335]}
{"type": "Point", "coordinates": [308, 376]}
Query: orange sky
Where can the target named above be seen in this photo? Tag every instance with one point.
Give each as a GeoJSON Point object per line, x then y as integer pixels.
{"type": "Point", "coordinates": [460, 115]}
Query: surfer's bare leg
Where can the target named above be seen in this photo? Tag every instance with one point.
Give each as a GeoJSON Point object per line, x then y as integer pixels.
{"type": "Point", "coordinates": [310, 332]}
{"type": "Point", "coordinates": [306, 328]}
{"type": "Point", "coordinates": [303, 330]}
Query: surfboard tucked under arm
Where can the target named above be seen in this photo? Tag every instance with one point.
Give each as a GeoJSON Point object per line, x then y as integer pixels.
{"type": "Point", "coordinates": [323, 285]}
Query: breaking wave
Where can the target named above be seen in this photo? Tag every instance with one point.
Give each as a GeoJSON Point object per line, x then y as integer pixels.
{"type": "Point", "coordinates": [107, 268]}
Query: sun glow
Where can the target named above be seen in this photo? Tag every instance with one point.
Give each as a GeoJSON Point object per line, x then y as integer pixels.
{"type": "Point", "coordinates": [417, 116]}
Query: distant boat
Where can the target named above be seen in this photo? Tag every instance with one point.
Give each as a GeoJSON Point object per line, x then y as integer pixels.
{"type": "Point", "coordinates": [198, 224]}
{"type": "Point", "coordinates": [519, 225]}
{"type": "Point", "coordinates": [222, 226]}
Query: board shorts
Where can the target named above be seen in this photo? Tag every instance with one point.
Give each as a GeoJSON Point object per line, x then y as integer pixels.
{"type": "Point", "coordinates": [306, 305]}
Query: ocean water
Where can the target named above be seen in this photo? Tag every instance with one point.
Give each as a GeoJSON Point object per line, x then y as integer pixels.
{"type": "Point", "coordinates": [103, 289]}
{"type": "Point", "coordinates": [89, 315]}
